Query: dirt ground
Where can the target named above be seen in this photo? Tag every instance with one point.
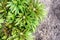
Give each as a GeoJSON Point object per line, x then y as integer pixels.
{"type": "Point", "coordinates": [49, 29]}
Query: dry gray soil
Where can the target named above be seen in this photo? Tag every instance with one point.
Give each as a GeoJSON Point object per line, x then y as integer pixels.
{"type": "Point", "coordinates": [49, 29]}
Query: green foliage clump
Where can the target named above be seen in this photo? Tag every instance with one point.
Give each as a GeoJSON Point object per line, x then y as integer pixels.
{"type": "Point", "coordinates": [19, 18]}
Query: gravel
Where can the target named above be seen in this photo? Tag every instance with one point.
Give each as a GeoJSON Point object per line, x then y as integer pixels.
{"type": "Point", "coordinates": [49, 29]}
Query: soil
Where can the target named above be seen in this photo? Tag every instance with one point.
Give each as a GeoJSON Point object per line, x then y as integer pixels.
{"type": "Point", "coordinates": [49, 29]}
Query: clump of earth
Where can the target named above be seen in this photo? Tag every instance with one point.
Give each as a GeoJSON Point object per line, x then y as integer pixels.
{"type": "Point", "coordinates": [49, 29]}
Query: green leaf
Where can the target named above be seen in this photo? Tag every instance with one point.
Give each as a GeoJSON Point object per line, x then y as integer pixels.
{"type": "Point", "coordinates": [0, 26]}
{"type": "Point", "coordinates": [4, 37]}
{"type": "Point", "coordinates": [20, 7]}
{"type": "Point", "coordinates": [1, 11]}
{"type": "Point", "coordinates": [0, 4]}
{"type": "Point", "coordinates": [1, 20]}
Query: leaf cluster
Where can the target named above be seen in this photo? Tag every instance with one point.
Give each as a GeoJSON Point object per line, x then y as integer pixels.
{"type": "Point", "coordinates": [19, 18]}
